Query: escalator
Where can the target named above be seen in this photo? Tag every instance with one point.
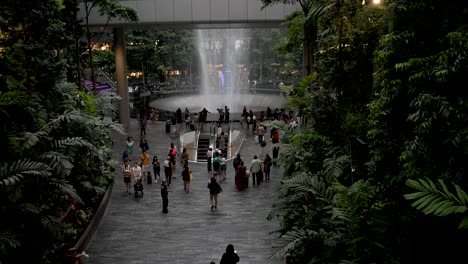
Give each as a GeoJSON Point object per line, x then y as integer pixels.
{"type": "Point", "coordinates": [203, 145]}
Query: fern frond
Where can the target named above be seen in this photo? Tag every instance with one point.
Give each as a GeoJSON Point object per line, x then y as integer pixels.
{"type": "Point", "coordinates": [8, 241]}
{"type": "Point", "coordinates": [66, 188]}
{"type": "Point", "coordinates": [289, 242]}
{"type": "Point", "coordinates": [31, 139]}
{"type": "Point", "coordinates": [75, 141]}
{"type": "Point", "coordinates": [52, 225]}
{"type": "Point", "coordinates": [314, 185]}
{"type": "Point", "coordinates": [59, 162]}
{"type": "Point", "coordinates": [334, 166]}
{"type": "Point", "coordinates": [12, 173]}
{"type": "Point", "coordinates": [436, 199]}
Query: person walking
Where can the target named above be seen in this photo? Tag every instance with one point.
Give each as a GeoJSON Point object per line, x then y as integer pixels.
{"type": "Point", "coordinates": [127, 173]}
{"type": "Point", "coordinates": [156, 168]}
{"type": "Point", "coordinates": [209, 156]}
{"type": "Point", "coordinates": [266, 167]}
{"type": "Point", "coordinates": [260, 134]}
{"type": "Point", "coordinates": [144, 144]}
{"type": "Point", "coordinates": [222, 168]}
{"type": "Point", "coordinates": [255, 170]}
{"type": "Point", "coordinates": [168, 170]}
{"type": "Point", "coordinates": [184, 157]}
{"type": "Point", "coordinates": [215, 189]}
{"type": "Point", "coordinates": [216, 166]}
{"type": "Point", "coordinates": [164, 195]}
{"type": "Point", "coordinates": [130, 144]}
{"type": "Point", "coordinates": [145, 165]}
{"type": "Point", "coordinates": [143, 126]}
{"type": "Point", "coordinates": [241, 179]}
{"type": "Point", "coordinates": [186, 178]}
{"type": "Point", "coordinates": [172, 155]}
{"type": "Point", "coordinates": [230, 256]}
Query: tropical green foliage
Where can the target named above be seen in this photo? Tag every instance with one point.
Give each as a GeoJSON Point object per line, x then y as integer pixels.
{"type": "Point", "coordinates": [55, 162]}
{"type": "Point", "coordinates": [436, 199]}
{"type": "Point", "coordinates": [387, 116]}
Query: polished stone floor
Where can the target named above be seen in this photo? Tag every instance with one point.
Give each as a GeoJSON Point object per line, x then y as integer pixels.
{"type": "Point", "coordinates": [134, 230]}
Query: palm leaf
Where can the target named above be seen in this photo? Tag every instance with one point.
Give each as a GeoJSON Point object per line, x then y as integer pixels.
{"type": "Point", "coordinates": [31, 139]}
{"type": "Point", "coordinates": [334, 166]}
{"type": "Point", "coordinates": [64, 187]}
{"type": "Point", "coordinates": [59, 162]}
{"type": "Point", "coordinates": [8, 241]}
{"type": "Point", "coordinates": [12, 173]}
{"type": "Point", "coordinates": [436, 199]}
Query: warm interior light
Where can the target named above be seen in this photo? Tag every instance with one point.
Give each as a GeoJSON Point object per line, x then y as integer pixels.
{"type": "Point", "coordinates": [376, 2]}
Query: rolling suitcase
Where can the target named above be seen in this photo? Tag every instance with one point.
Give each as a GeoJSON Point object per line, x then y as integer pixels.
{"type": "Point", "coordinates": [149, 179]}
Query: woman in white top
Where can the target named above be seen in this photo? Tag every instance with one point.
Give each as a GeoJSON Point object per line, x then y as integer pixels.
{"type": "Point", "coordinates": [136, 171]}
{"type": "Point", "coordinates": [130, 145]}
{"type": "Point", "coordinates": [127, 172]}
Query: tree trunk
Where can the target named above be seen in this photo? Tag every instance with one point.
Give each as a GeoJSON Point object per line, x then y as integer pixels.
{"type": "Point", "coordinates": [309, 43]}
{"type": "Point", "coordinates": [90, 51]}
{"type": "Point", "coordinates": [77, 47]}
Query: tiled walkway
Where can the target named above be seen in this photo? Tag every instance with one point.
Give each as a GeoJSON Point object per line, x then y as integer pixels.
{"type": "Point", "coordinates": [135, 230]}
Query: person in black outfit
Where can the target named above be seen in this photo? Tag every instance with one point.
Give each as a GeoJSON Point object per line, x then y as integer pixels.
{"type": "Point", "coordinates": [179, 115]}
{"type": "Point", "coordinates": [230, 256]}
{"type": "Point", "coordinates": [164, 192]}
{"type": "Point", "coordinates": [226, 114]}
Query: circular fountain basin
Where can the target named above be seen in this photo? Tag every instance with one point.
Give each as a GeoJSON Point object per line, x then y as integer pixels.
{"type": "Point", "coordinates": [235, 102]}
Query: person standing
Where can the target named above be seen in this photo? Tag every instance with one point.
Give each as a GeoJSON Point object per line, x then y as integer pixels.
{"type": "Point", "coordinates": [255, 170]}
{"type": "Point", "coordinates": [215, 189]}
{"type": "Point", "coordinates": [179, 115]}
{"type": "Point", "coordinates": [127, 172]}
{"type": "Point", "coordinates": [226, 114]}
{"type": "Point", "coordinates": [186, 178]}
{"type": "Point", "coordinates": [230, 256]}
{"type": "Point", "coordinates": [164, 195]}
{"type": "Point", "coordinates": [168, 170]}
{"type": "Point", "coordinates": [156, 168]}
{"type": "Point", "coordinates": [130, 144]}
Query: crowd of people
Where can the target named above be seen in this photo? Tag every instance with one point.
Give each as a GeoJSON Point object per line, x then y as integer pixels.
{"type": "Point", "coordinates": [256, 171]}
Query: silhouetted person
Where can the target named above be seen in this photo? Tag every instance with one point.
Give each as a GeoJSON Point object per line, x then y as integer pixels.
{"type": "Point", "coordinates": [230, 256]}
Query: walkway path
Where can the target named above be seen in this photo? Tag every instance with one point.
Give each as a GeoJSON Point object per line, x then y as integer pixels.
{"type": "Point", "coordinates": [135, 230]}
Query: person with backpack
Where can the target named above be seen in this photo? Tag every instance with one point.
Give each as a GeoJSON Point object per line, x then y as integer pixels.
{"type": "Point", "coordinates": [215, 189]}
{"type": "Point", "coordinates": [216, 165]}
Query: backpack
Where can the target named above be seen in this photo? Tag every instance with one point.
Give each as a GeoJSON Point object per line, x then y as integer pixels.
{"type": "Point", "coordinates": [216, 164]}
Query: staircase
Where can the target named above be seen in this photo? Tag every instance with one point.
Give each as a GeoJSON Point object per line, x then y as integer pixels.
{"type": "Point", "coordinates": [203, 145]}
